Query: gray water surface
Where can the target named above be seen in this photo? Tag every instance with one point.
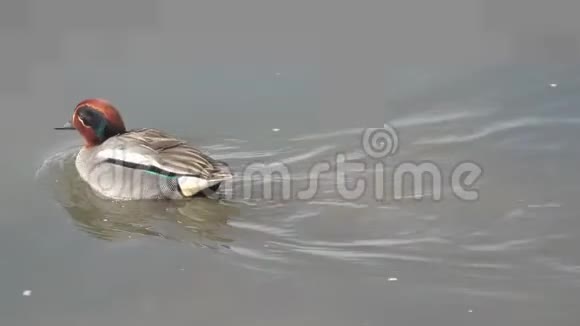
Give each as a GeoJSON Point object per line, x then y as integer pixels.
{"type": "Point", "coordinates": [508, 258]}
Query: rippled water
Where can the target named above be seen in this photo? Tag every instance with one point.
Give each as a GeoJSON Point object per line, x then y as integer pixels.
{"type": "Point", "coordinates": [511, 253]}
{"type": "Point", "coordinates": [510, 257]}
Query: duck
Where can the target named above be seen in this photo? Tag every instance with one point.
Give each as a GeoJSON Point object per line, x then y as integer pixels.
{"type": "Point", "coordinates": [139, 164]}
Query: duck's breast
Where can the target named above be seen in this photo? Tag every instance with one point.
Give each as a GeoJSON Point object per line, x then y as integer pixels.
{"type": "Point", "coordinates": [127, 183]}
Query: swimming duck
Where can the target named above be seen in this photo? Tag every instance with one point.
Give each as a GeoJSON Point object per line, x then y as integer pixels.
{"type": "Point", "coordinates": [138, 164]}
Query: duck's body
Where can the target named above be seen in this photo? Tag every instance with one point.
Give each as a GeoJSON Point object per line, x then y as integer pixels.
{"type": "Point", "coordinates": [140, 163]}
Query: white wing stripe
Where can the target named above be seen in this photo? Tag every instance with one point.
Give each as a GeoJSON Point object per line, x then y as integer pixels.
{"type": "Point", "coordinates": [127, 156]}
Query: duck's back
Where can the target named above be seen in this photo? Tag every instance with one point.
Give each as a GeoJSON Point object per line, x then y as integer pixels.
{"type": "Point", "coordinates": [149, 164]}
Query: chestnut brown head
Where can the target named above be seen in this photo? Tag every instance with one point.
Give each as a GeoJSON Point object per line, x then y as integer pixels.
{"type": "Point", "coordinates": [96, 120]}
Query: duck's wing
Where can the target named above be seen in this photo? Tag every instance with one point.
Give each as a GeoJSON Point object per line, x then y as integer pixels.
{"type": "Point", "coordinates": [155, 150]}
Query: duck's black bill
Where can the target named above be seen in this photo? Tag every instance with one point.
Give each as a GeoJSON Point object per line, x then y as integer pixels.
{"type": "Point", "coordinates": [67, 126]}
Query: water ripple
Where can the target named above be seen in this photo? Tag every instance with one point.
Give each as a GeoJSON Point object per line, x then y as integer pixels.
{"type": "Point", "coordinates": [502, 246]}
{"type": "Point", "coordinates": [430, 118]}
{"type": "Point", "coordinates": [339, 203]}
{"type": "Point", "coordinates": [546, 205]}
{"type": "Point", "coordinates": [497, 294]}
{"type": "Point", "coordinates": [254, 254]}
{"type": "Point", "coordinates": [495, 128]}
{"type": "Point", "coordinates": [301, 216]}
{"type": "Point", "coordinates": [245, 155]}
{"type": "Point", "coordinates": [220, 147]}
{"type": "Point", "coordinates": [384, 243]}
{"type": "Point", "coordinates": [267, 229]}
{"type": "Point", "coordinates": [358, 256]}
{"type": "Point", "coordinates": [331, 134]}
{"type": "Point", "coordinates": [310, 154]}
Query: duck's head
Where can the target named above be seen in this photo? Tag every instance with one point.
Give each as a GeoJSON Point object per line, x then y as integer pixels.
{"type": "Point", "coordinates": [96, 120]}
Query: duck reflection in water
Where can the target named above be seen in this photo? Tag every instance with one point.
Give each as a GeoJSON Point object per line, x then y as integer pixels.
{"type": "Point", "coordinates": [199, 221]}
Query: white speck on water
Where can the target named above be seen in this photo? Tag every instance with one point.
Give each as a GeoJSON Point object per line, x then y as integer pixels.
{"type": "Point", "coordinates": [275, 129]}
{"type": "Point", "coordinates": [179, 222]}
{"type": "Point", "coordinates": [393, 279]}
{"type": "Point", "coordinates": [553, 85]}
{"type": "Point", "coordinates": [26, 293]}
{"type": "Point", "coordinates": [105, 220]}
{"type": "Point", "coordinates": [470, 310]}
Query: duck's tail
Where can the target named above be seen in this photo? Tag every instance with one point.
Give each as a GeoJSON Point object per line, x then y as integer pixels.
{"type": "Point", "coordinates": [193, 186]}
